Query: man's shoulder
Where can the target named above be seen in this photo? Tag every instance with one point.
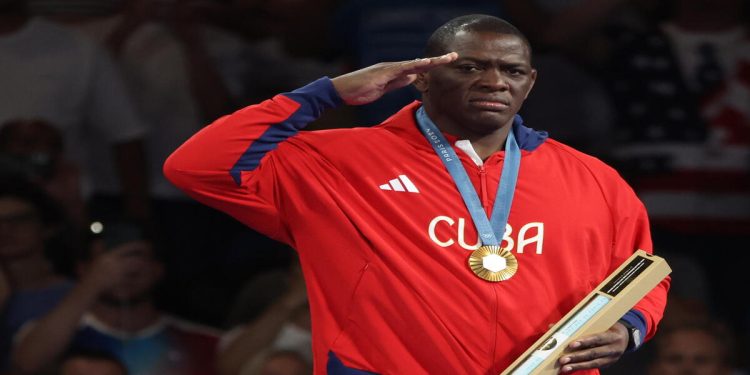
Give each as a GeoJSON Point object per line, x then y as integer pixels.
{"type": "Point", "coordinates": [381, 135]}
{"type": "Point", "coordinates": [399, 125]}
{"type": "Point", "coordinates": [576, 158]}
{"type": "Point", "coordinates": [343, 135]}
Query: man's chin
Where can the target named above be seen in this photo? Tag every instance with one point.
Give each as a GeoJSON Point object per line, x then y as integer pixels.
{"type": "Point", "coordinates": [489, 122]}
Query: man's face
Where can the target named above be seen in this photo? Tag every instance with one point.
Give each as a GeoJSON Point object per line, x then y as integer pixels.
{"type": "Point", "coordinates": [484, 88]}
{"type": "Point", "coordinates": [689, 352]}
{"type": "Point", "coordinates": [139, 275]}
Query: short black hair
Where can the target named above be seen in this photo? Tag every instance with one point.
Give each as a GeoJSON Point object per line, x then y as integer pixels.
{"type": "Point", "coordinates": [438, 42]}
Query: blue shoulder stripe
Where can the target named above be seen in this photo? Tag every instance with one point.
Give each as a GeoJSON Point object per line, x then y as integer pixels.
{"type": "Point", "coordinates": [314, 98]}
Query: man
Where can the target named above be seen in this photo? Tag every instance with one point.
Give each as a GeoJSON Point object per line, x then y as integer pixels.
{"type": "Point", "coordinates": [381, 226]}
{"type": "Point", "coordinates": [693, 349]}
{"type": "Point", "coordinates": [283, 323]}
{"type": "Point", "coordinates": [30, 287]}
{"type": "Point", "coordinates": [34, 149]}
{"type": "Point", "coordinates": [113, 309]}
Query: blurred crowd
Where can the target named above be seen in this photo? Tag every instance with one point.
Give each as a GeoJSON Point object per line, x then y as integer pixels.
{"type": "Point", "coordinates": [105, 268]}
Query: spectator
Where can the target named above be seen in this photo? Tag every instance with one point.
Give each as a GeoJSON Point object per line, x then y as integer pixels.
{"type": "Point", "coordinates": [185, 72]}
{"type": "Point", "coordinates": [29, 219]}
{"type": "Point", "coordinates": [53, 74]}
{"type": "Point", "coordinates": [91, 363]}
{"type": "Point", "coordinates": [284, 325]}
{"type": "Point", "coordinates": [113, 309]}
{"type": "Point", "coordinates": [697, 349]}
{"type": "Point", "coordinates": [283, 48]}
{"type": "Point", "coordinates": [34, 148]}
{"type": "Point", "coordinates": [170, 59]}
{"type": "Point", "coordinates": [29, 285]}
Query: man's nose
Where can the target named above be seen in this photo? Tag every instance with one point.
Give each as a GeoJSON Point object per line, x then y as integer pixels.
{"type": "Point", "coordinates": [494, 79]}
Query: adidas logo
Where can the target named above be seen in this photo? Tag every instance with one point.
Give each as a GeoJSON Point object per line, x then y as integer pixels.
{"type": "Point", "coordinates": [402, 183]}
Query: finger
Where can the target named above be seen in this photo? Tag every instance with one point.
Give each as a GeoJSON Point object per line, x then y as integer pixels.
{"type": "Point", "coordinates": [401, 82]}
{"type": "Point", "coordinates": [427, 63]}
{"type": "Point", "coordinates": [589, 359]}
{"type": "Point", "coordinates": [589, 352]}
{"type": "Point", "coordinates": [442, 59]}
{"type": "Point", "coordinates": [591, 341]}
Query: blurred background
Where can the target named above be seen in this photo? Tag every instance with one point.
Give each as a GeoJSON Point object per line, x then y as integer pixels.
{"type": "Point", "coordinates": [95, 94]}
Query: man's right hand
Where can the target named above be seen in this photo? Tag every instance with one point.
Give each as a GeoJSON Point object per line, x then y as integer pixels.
{"type": "Point", "coordinates": [368, 84]}
{"type": "Point", "coordinates": [109, 267]}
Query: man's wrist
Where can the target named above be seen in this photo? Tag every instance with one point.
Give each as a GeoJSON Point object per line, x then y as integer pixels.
{"type": "Point", "coordinates": [635, 337]}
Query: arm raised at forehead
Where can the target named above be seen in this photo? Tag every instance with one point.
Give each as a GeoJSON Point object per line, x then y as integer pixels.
{"type": "Point", "coordinates": [369, 84]}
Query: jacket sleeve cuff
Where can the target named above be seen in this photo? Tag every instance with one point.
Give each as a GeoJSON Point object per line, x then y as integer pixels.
{"type": "Point", "coordinates": [316, 97]}
{"type": "Point", "coordinates": [635, 318]}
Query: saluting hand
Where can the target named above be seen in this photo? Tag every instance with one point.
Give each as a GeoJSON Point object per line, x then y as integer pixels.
{"type": "Point", "coordinates": [368, 84]}
{"type": "Point", "coordinates": [595, 351]}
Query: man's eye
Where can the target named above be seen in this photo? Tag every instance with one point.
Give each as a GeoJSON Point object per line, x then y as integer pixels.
{"type": "Point", "coordinates": [468, 68]}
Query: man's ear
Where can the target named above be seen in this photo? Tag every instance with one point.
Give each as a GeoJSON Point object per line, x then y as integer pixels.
{"type": "Point", "coordinates": [422, 82]}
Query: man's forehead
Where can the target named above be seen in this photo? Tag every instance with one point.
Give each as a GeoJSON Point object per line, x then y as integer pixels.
{"type": "Point", "coordinates": [486, 46]}
{"type": "Point", "coordinates": [469, 39]}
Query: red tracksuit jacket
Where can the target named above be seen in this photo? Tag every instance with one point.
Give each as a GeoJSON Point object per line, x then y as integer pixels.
{"type": "Point", "coordinates": [384, 237]}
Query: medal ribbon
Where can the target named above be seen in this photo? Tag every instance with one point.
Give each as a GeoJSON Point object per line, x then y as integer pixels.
{"type": "Point", "coordinates": [504, 198]}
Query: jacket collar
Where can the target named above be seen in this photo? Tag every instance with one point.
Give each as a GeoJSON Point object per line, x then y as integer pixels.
{"type": "Point", "coordinates": [404, 124]}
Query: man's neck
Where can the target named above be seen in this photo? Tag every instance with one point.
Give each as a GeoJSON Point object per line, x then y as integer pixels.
{"type": "Point", "coordinates": [127, 318]}
{"type": "Point", "coordinates": [485, 144]}
{"type": "Point", "coordinates": [488, 145]}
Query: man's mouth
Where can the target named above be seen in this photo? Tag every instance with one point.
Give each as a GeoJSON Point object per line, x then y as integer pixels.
{"type": "Point", "coordinates": [489, 104]}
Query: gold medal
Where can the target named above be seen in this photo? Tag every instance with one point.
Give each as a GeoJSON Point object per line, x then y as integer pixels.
{"type": "Point", "coordinates": [493, 263]}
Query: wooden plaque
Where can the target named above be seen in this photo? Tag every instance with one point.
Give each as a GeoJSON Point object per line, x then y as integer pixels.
{"type": "Point", "coordinates": [601, 309]}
